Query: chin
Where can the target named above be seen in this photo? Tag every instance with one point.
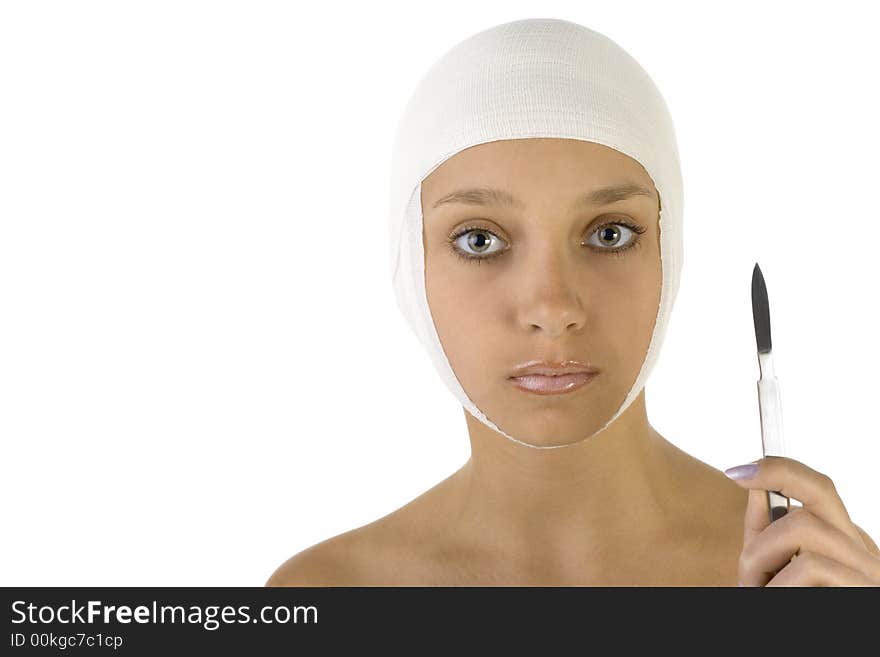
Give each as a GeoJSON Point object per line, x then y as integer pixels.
{"type": "Point", "coordinates": [544, 432]}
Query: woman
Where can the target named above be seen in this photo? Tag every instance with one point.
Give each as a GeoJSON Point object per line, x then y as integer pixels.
{"type": "Point", "coordinates": [536, 253]}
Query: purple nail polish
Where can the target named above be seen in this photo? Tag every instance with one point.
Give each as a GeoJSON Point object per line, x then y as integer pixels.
{"type": "Point", "coordinates": [742, 471]}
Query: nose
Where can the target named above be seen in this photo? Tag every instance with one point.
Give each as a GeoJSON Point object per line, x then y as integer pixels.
{"type": "Point", "coordinates": [549, 298]}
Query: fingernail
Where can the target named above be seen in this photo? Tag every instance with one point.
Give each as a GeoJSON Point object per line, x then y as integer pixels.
{"type": "Point", "coordinates": [740, 584]}
{"type": "Point", "coordinates": [742, 471]}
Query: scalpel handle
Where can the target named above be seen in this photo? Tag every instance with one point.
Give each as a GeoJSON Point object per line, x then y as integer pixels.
{"type": "Point", "coordinates": [770, 407]}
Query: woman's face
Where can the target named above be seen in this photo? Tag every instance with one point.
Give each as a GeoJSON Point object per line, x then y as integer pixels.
{"type": "Point", "coordinates": [555, 275]}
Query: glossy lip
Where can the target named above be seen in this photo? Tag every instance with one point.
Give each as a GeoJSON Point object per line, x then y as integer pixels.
{"type": "Point", "coordinates": [552, 385]}
{"type": "Point", "coordinates": [553, 368]}
{"type": "Point", "coordinates": [553, 377]}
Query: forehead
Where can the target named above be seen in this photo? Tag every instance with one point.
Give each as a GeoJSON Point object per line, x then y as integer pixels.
{"type": "Point", "coordinates": [534, 164]}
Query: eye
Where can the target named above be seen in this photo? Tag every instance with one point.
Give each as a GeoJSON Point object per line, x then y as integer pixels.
{"type": "Point", "coordinates": [615, 236]}
{"type": "Point", "coordinates": [476, 243]}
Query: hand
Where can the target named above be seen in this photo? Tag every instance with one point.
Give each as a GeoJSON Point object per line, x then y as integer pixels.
{"type": "Point", "coordinates": [813, 545]}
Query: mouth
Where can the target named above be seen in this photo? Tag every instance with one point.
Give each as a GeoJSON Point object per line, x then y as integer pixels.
{"type": "Point", "coordinates": [541, 384]}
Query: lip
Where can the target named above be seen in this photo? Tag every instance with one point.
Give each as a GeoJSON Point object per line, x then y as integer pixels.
{"type": "Point", "coordinates": [552, 385]}
{"type": "Point", "coordinates": [553, 377]}
{"type": "Point", "coordinates": [553, 368]}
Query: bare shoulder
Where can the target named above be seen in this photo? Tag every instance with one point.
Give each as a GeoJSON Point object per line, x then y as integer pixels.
{"type": "Point", "coordinates": [396, 549]}
{"type": "Point", "coordinates": [384, 552]}
{"type": "Point", "coordinates": [337, 561]}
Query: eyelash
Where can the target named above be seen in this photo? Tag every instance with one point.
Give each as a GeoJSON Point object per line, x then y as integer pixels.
{"type": "Point", "coordinates": [635, 242]}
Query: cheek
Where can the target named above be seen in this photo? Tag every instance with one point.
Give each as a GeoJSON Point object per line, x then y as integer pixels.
{"type": "Point", "coordinates": [468, 317]}
{"type": "Point", "coordinates": [626, 316]}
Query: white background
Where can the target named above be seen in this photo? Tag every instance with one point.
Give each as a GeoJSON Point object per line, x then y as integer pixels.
{"type": "Point", "coordinates": [202, 367]}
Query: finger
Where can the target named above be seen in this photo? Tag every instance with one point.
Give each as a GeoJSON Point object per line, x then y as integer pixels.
{"type": "Point", "coordinates": [815, 490]}
{"type": "Point", "coordinates": [798, 531]}
{"type": "Point", "coordinates": [870, 545]}
{"type": "Point", "coordinates": [814, 569]}
{"type": "Point", "coordinates": [757, 515]}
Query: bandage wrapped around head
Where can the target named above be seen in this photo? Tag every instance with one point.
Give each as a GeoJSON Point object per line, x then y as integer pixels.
{"type": "Point", "coordinates": [529, 78]}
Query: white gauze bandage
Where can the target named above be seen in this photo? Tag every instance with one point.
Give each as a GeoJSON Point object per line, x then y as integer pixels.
{"type": "Point", "coordinates": [537, 77]}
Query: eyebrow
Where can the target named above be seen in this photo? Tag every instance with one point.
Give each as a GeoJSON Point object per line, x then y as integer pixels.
{"type": "Point", "coordinates": [491, 196]}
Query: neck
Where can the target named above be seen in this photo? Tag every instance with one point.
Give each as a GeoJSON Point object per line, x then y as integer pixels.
{"type": "Point", "coordinates": [607, 490]}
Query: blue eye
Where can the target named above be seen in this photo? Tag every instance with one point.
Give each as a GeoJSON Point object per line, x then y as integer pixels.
{"type": "Point", "coordinates": [475, 244]}
{"type": "Point", "coordinates": [612, 235]}
{"type": "Point", "coordinates": [476, 241]}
